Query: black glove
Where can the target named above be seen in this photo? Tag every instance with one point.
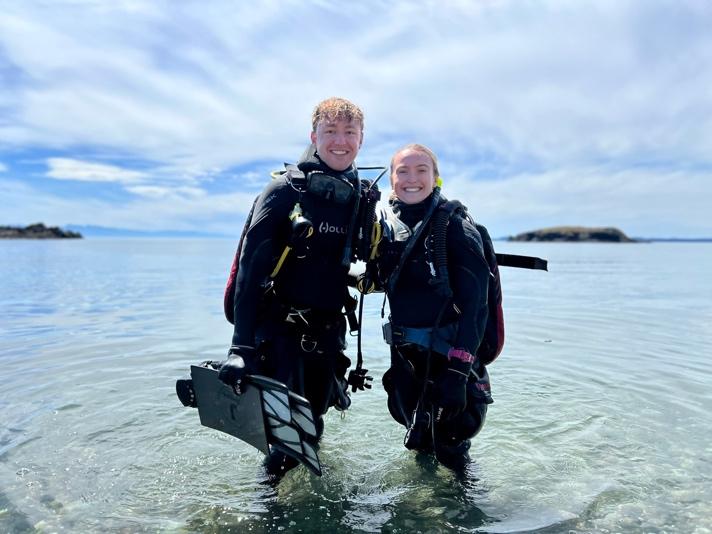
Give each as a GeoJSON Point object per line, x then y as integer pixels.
{"type": "Point", "coordinates": [450, 390]}
{"type": "Point", "coordinates": [483, 391]}
{"type": "Point", "coordinates": [239, 363]}
{"type": "Point", "coordinates": [359, 380]}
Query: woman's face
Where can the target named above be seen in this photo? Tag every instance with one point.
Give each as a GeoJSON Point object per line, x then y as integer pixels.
{"type": "Point", "coordinates": [412, 177]}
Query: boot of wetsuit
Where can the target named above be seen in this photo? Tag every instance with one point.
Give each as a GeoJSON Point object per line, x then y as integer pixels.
{"type": "Point", "coordinates": [184, 387]}
{"type": "Point", "coordinates": [185, 392]}
{"type": "Point", "coordinates": [277, 464]}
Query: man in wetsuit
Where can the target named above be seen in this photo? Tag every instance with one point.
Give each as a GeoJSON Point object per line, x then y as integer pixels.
{"type": "Point", "coordinates": [289, 326]}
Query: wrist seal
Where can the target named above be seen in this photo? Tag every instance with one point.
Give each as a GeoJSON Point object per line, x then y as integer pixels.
{"type": "Point", "coordinates": [460, 354]}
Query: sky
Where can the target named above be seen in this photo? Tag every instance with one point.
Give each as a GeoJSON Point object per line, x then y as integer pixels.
{"type": "Point", "coordinates": [169, 115]}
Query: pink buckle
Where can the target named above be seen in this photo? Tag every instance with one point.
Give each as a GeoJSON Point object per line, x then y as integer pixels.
{"type": "Point", "coordinates": [460, 354]}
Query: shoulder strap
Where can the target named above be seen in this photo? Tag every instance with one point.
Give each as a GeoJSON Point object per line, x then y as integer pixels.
{"type": "Point", "coordinates": [438, 244]}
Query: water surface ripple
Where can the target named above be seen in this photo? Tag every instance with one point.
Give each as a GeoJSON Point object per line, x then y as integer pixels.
{"type": "Point", "coordinates": [600, 421]}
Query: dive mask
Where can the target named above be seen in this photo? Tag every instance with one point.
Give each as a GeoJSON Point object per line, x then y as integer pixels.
{"type": "Point", "coordinates": [329, 187]}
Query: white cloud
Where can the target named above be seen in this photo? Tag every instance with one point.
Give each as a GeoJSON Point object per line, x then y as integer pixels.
{"type": "Point", "coordinates": [160, 192]}
{"type": "Point", "coordinates": [3, 167]}
{"type": "Point", "coordinates": [518, 95]}
{"type": "Point", "coordinates": [642, 202]}
{"type": "Point", "coordinates": [219, 86]}
{"type": "Point", "coordinates": [71, 169]}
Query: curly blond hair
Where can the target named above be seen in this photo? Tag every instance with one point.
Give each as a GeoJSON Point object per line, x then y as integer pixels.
{"type": "Point", "coordinates": [336, 108]}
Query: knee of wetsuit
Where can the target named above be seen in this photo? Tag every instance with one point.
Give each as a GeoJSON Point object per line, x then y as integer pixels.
{"type": "Point", "coordinates": [387, 381]}
{"type": "Point", "coordinates": [341, 365]}
{"type": "Point", "coordinates": [402, 393]}
{"type": "Point", "coordinates": [395, 410]}
{"type": "Point", "coordinates": [471, 421]}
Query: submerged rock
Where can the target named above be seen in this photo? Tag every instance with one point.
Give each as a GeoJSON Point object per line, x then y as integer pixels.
{"type": "Point", "coordinates": [36, 231]}
{"type": "Point", "coordinates": [575, 233]}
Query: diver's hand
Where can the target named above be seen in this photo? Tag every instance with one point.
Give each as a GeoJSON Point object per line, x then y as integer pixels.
{"type": "Point", "coordinates": [359, 380]}
{"type": "Point", "coordinates": [450, 390]}
{"type": "Point", "coordinates": [237, 366]}
{"type": "Point", "coordinates": [483, 390]}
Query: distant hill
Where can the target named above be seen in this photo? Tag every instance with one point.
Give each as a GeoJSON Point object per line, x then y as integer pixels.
{"type": "Point", "coordinates": [575, 234]}
{"type": "Point", "coordinates": [37, 231]}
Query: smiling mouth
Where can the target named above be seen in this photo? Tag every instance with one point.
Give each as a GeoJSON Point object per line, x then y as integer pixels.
{"type": "Point", "coordinates": [339, 152]}
{"type": "Point", "coordinates": [412, 189]}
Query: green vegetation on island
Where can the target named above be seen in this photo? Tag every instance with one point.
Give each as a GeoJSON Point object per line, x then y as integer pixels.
{"type": "Point", "coordinates": [574, 234]}
{"type": "Point", "coordinates": [37, 231]}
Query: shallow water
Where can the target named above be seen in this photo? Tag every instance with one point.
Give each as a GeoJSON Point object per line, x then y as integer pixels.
{"type": "Point", "coordinates": [600, 422]}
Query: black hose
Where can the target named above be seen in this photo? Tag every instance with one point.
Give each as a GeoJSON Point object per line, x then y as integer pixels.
{"type": "Point", "coordinates": [438, 237]}
{"type": "Point", "coordinates": [359, 354]}
{"type": "Point", "coordinates": [346, 259]}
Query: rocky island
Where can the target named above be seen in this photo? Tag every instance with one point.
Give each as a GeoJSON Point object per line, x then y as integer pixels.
{"type": "Point", "coordinates": [575, 233]}
{"type": "Point", "coordinates": [37, 231]}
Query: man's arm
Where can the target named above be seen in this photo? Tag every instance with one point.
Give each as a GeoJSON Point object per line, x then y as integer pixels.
{"type": "Point", "coordinates": [265, 234]}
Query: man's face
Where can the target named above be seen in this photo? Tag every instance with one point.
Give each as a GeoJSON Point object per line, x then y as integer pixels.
{"type": "Point", "coordinates": [413, 178]}
{"type": "Point", "coordinates": [337, 142]}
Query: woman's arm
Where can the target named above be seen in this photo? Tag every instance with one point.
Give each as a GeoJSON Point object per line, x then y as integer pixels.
{"type": "Point", "coordinates": [469, 277]}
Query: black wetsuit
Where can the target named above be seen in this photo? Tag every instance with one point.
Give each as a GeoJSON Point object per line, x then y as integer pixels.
{"type": "Point", "coordinates": [297, 326]}
{"type": "Point", "coordinates": [416, 303]}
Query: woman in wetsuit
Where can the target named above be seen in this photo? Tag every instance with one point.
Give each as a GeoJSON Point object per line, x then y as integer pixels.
{"type": "Point", "coordinates": [436, 386]}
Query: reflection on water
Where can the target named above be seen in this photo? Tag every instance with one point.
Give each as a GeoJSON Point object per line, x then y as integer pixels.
{"type": "Point", "coordinates": [600, 421]}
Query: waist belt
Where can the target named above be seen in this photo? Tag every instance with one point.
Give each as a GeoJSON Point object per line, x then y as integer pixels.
{"type": "Point", "coordinates": [440, 340]}
{"type": "Point", "coordinates": [320, 331]}
{"type": "Point", "coordinates": [313, 320]}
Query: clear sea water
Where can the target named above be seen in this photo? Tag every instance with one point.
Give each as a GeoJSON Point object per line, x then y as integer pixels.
{"type": "Point", "coordinates": [601, 421]}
